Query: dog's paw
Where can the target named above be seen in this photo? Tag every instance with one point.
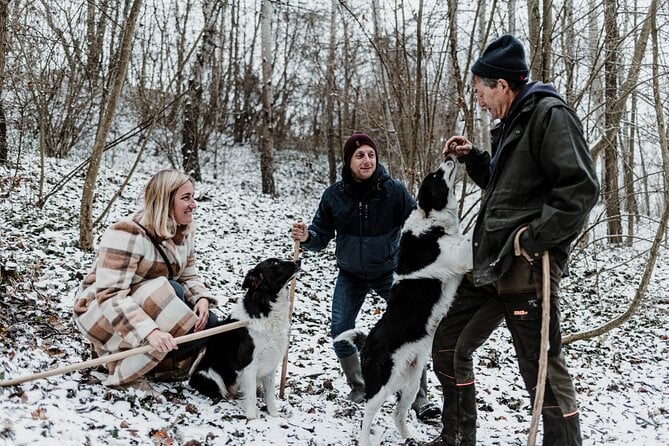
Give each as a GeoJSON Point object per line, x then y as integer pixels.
{"type": "Point", "coordinates": [272, 411]}
{"type": "Point", "coordinates": [411, 442]}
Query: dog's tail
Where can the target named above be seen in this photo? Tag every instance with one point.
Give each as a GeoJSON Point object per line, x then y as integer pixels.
{"type": "Point", "coordinates": [354, 337]}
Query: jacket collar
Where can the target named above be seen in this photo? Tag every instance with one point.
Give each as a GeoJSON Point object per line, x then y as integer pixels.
{"type": "Point", "coordinates": [362, 189]}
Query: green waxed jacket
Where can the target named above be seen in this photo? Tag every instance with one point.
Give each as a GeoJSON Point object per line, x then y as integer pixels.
{"type": "Point", "coordinates": [541, 175]}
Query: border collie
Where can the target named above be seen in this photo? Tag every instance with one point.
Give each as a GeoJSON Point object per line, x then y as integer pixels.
{"type": "Point", "coordinates": [237, 361]}
{"type": "Point", "coordinates": [433, 258]}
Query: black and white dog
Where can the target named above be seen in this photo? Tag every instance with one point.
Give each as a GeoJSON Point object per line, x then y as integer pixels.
{"type": "Point", "coordinates": [238, 360]}
{"type": "Point", "coordinates": [433, 258]}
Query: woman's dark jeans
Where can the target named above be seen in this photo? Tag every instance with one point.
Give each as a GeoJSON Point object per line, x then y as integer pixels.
{"type": "Point", "coordinates": [189, 348]}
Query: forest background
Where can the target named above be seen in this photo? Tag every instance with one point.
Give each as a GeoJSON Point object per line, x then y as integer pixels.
{"type": "Point", "coordinates": [194, 75]}
{"type": "Point", "coordinates": [189, 79]}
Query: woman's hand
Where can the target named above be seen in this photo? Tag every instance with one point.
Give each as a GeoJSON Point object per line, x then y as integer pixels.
{"type": "Point", "coordinates": [201, 309]}
{"type": "Point", "coordinates": [161, 341]}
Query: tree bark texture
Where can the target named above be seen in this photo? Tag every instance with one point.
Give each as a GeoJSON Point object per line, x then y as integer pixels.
{"type": "Point", "coordinates": [611, 67]}
{"type": "Point", "coordinates": [4, 155]}
{"type": "Point", "coordinates": [266, 138]}
{"type": "Point", "coordinates": [331, 136]}
{"type": "Point", "coordinates": [109, 108]}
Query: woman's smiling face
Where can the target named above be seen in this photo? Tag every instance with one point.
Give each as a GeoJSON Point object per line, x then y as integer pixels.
{"type": "Point", "coordinates": [183, 204]}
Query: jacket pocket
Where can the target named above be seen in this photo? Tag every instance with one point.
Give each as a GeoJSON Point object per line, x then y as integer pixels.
{"type": "Point", "coordinates": [524, 320]}
{"type": "Point", "coordinates": [505, 218]}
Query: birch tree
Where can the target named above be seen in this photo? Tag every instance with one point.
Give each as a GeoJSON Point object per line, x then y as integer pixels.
{"type": "Point", "coordinates": [108, 110]}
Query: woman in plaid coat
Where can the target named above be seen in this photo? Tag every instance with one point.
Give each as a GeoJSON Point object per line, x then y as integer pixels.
{"type": "Point", "coordinates": [144, 285]}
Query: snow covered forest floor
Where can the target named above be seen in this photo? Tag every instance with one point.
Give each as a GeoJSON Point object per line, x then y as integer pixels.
{"type": "Point", "coordinates": [622, 378]}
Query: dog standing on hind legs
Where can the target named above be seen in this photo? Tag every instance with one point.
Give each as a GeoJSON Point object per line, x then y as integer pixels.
{"type": "Point", "coordinates": [433, 258]}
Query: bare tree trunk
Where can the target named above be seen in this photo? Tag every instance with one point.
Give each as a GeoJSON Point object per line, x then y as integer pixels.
{"type": "Point", "coordinates": [330, 91]}
{"type": "Point", "coordinates": [631, 205]}
{"type": "Point", "coordinates": [540, 26]}
{"type": "Point", "coordinates": [266, 138]}
{"type": "Point", "coordinates": [456, 82]}
{"type": "Point", "coordinates": [347, 122]}
{"type": "Point", "coordinates": [197, 127]}
{"type": "Point", "coordinates": [95, 31]}
{"type": "Point", "coordinates": [4, 6]}
{"type": "Point", "coordinates": [546, 41]}
{"type": "Point", "coordinates": [534, 34]}
{"type": "Point", "coordinates": [394, 149]}
{"type": "Point", "coordinates": [484, 125]}
{"type": "Point", "coordinates": [85, 216]}
{"type": "Point", "coordinates": [611, 67]}
{"type": "Point", "coordinates": [569, 50]}
{"type": "Point", "coordinates": [662, 226]}
{"type": "Point", "coordinates": [630, 82]}
{"type": "Point", "coordinates": [418, 141]}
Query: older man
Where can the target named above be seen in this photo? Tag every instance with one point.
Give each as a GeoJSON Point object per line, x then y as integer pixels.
{"type": "Point", "coordinates": [539, 186]}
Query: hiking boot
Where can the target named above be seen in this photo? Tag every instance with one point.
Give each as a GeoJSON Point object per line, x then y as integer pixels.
{"type": "Point", "coordinates": [437, 442]}
{"type": "Point", "coordinates": [428, 411]}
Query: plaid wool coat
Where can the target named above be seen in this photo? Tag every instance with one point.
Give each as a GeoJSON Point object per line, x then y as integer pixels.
{"type": "Point", "coordinates": [126, 295]}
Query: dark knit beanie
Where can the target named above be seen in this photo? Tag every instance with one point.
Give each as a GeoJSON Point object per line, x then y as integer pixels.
{"type": "Point", "coordinates": [503, 59]}
{"type": "Point", "coordinates": [356, 140]}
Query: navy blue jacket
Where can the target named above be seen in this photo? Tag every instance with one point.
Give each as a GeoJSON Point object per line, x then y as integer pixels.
{"type": "Point", "coordinates": [367, 223]}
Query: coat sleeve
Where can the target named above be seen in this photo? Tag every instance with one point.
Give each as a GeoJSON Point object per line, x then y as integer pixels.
{"type": "Point", "coordinates": [477, 163]}
{"type": "Point", "coordinates": [119, 254]}
{"type": "Point", "coordinates": [190, 277]}
{"type": "Point", "coordinates": [322, 227]}
{"type": "Point", "coordinates": [566, 160]}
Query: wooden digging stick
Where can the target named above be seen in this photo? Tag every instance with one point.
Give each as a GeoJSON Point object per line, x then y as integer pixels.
{"type": "Point", "coordinates": [122, 355]}
{"type": "Point", "coordinates": [284, 365]}
{"type": "Point", "coordinates": [543, 351]}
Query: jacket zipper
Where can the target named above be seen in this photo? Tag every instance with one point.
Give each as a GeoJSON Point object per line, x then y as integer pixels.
{"type": "Point", "coordinates": [361, 217]}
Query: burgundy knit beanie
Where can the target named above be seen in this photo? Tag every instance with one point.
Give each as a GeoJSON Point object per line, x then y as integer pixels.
{"type": "Point", "coordinates": [356, 140]}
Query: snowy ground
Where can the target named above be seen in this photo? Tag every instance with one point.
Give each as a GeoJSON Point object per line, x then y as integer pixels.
{"type": "Point", "coordinates": [622, 378]}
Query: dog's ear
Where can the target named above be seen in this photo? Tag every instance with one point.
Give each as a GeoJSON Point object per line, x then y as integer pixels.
{"type": "Point", "coordinates": [253, 279]}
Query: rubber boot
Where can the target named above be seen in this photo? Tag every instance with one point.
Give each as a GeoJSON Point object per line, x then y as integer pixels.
{"type": "Point", "coordinates": [351, 367]}
{"type": "Point", "coordinates": [459, 415]}
{"type": "Point", "coordinates": [560, 430]}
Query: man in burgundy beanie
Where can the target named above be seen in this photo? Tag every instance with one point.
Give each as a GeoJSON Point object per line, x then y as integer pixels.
{"type": "Point", "coordinates": [356, 140]}
{"type": "Point", "coordinates": [364, 212]}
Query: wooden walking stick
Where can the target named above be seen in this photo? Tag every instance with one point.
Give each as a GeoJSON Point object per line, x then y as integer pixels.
{"type": "Point", "coordinates": [284, 365]}
{"type": "Point", "coordinates": [543, 352]}
{"type": "Point", "coordinates": [122, 355]}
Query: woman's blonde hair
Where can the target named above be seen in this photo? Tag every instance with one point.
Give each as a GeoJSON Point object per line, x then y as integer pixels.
{"type": "Point", "coordinates": [158, 197]}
